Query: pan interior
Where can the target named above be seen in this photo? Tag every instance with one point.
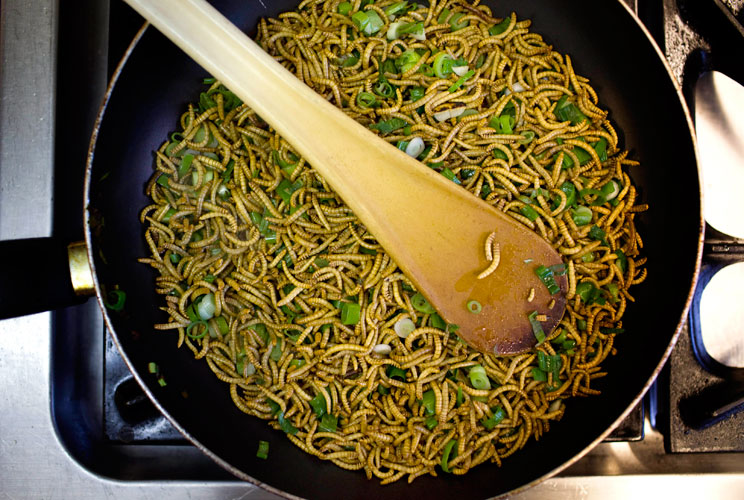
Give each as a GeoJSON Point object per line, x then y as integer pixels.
{"type": "Point", "coordinates": [606, 45]}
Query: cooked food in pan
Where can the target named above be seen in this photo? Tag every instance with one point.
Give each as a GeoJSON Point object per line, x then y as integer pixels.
{"type": "Point", "coordinates": [269, 278]}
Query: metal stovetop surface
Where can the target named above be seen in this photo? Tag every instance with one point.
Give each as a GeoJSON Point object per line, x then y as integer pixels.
{"type": "Point", "coordinates": [33, 461]}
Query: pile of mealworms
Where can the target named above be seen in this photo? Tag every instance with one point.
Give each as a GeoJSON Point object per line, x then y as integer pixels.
{"type": "Point", "coordinates": [269, 277]}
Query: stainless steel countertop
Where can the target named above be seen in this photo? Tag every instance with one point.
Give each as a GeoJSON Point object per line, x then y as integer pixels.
{"type": "Point", "coordinates": [33, 462]}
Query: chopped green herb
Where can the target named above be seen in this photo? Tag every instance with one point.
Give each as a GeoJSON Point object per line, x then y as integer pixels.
{"type": "Point", "coordinates": [318, 404]}
{"type": "Point", "coordinates": [350, 313]}
{"type": "Point", "coordinates": [328, 423]}
{"type": "Point", "coordinates": [391, 125]}
{"type": "Point", "coordinates": [451, 175]}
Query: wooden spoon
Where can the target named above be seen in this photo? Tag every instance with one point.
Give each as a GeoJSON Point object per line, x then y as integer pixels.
{"type": "Point", "coordinates": [435, 230]}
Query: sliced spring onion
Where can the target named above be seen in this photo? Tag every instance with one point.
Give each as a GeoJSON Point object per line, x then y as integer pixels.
{"type": "Point", "coordinates": [202, 331]}
{"type": "Point", "coordinates": [350, 313]}
{"type": "Point", "coordinates": [550, 363]}
{"type": "Point", "coordinates": [403, 327]}
{"type": "Point", "coordinates": [536, 327]}
{"type": "Point", "coordinates": [610, 190]}
{"type": "Point", "coordinates": [383, 89]}
{"type": "Point", "coordinates": [588, 293]}
{"type": "Point", "coordinates": [382, 349]}
{"type": "Point", "coordinates": [161, 382]}
{"type": "Point", "coordinates": [222, 325]}
{"type": "Point", "coordinates": [495, 419]}
{"type": "Point", "coordinates": [368, 22]}
{"type": "Point", "coordinates": [498, 29]}
{"type": "Point", "coordinates": [454, 21]}
{"type": "Point", "coordinates": [344, 8]}
{"type": "Point", "coordinates": [567, 111]}
{"type": "Point", "coordinates": [286, 425]}
{"type": "Point", "coordinates": [429, 402]}
{"type": "Point", "coordinates": [446, 454]}
{"type": "Point", "coordinates": [460, 81]}
{"type": "Point", "coordinates": [441, 116]}
{"type": "Point", "coordinates": [185, 164]}
{"type": "Point", "coordinates": [206, 307]}
{"type": "Point", "coordinates": [460, 70]}
{"type": "Point", "coordinates": [263, 450]}
{"type": "Point", "coordinates": [396, 8]}
{"type": "Point", "coordinates": [152, 367]}
{"type": "Point", "coordinates": [407, 60]}
{"type": "Point", "coordinates": [478, 378]}
{"type": "Point", "coordinates": [115, 300]}
{"type": "Point", "coordinates": [392, 32]}
{"type": "Point", "coordinates": [420, 303]}
{"type": "Point", "coordinates": [547, 277]}
{"type": "Point", "coordinates": [163, 180]}
{"type": "Point", "coordinates": [474, 306]}
{"type": "Point", "coordinates": [528, 135]}
{"type": "Point", "coordinates": [582, 215]}
{"type": "Point", "coordinates": [415, 147]}
{"type": "Point", "coordinates": [442, 64]}
{"type": "Point", "coordinates": [366, 100]}
{"type": "Point", "coordinates": [539, 375]}
{"type": "Point", "coordinates": [558, 269]}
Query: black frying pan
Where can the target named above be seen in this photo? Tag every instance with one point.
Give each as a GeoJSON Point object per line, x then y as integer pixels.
{"type": "Point", "coordinates": [607, 44]}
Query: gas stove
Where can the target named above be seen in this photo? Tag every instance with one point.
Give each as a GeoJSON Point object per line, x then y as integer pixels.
{"type": "Point", "coordinates": [75, 424]}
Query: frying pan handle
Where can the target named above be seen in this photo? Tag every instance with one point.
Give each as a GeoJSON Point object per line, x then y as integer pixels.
{"type": "Point", "coordinates": [38, 275]}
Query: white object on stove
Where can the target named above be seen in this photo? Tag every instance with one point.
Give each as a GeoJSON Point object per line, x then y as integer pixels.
{"type": "Point", "coordinates": [722, 316]}
{"type": "Point", "coordinates": [719, 123]}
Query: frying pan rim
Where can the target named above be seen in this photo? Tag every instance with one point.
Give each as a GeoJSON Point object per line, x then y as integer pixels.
{"type": "Point", "coordinates": [87, 220]}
